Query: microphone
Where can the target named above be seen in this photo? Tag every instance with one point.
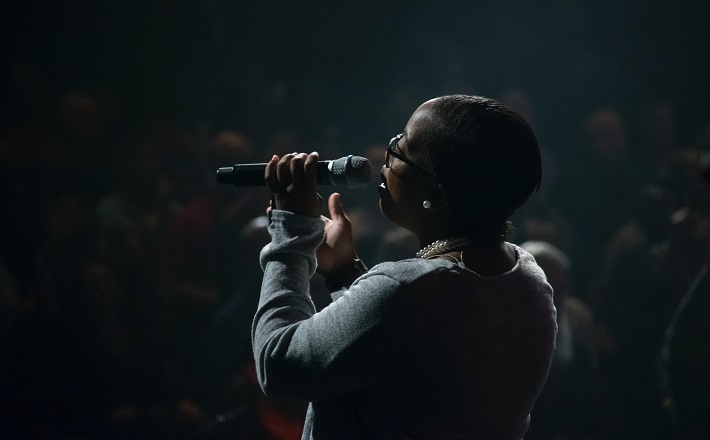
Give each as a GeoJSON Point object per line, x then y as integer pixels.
{"type": "Point", "coordinates": [351, 171]}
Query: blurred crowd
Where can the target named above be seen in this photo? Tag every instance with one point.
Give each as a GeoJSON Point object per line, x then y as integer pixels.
{"type": "Point", "coordinates": [128, 277]}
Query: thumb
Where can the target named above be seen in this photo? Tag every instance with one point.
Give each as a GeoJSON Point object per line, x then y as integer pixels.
{"type": "Point", "coordinates": [336, 208]}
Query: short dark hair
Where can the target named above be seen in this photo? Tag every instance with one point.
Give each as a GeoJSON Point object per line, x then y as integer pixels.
{"type": "Point", "coordinates": [487, 158]}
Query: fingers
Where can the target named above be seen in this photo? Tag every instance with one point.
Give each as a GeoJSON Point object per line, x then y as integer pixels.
{"type": "Point", "coordinates": [283, 170]}
{"type": "Point", "coordinates": [292, 180]}
{"type": "Point", "coordinates": [310, 167]}
{"type": "Point", "coordinates": [337, 213]}
{"type": "Point", "coordinates": [304, 168]}
{"type": "Point", "coordinates": [270, 176]}
{"type": "Point", "coordinates": [290, 168]}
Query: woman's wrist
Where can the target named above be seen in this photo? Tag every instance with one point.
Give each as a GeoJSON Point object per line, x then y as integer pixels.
{"type": "Point", "coordinates": [345, 275]}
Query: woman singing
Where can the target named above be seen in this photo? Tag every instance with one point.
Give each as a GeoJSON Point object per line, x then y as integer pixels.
{"type": "Point", "coordinates": [454, 343]}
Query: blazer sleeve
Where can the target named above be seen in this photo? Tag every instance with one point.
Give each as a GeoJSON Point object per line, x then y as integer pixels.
{"type": "Point", "coordinates": [304, 355]}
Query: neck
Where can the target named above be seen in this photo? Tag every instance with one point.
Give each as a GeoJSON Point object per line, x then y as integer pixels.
{"type": "Point", "coordinates": [429, 239]}
{"type": "Point", "coordinates": [444, 246]}
{"type": "Point", "coordinates": [430, 235]}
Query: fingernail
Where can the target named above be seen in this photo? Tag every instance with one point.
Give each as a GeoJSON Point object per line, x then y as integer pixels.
{"type": "Point", "coordinates": [274, 157]}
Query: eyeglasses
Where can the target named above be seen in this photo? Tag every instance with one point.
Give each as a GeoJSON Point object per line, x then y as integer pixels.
{"type": "Point", "coordinates": [391, 152]}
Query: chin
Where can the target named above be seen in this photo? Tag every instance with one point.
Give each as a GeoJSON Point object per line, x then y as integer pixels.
{"type": "Point", "coordinates": [383, 204]}
{"type": "Point", "coordinates": [389, 209]}
{"type": "Point", "coordinates": [382, 209]}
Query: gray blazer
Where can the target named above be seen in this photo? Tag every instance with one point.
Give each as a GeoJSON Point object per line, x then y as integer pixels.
{"type": "Point", "coordinates": [421, 349]}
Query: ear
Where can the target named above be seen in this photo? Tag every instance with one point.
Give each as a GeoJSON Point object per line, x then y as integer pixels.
{"type": "Point", "coordinates": [439, 198]}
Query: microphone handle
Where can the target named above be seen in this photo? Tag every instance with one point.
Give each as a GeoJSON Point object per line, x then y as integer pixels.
{"type": "Point", "coordinates": [252, 174]}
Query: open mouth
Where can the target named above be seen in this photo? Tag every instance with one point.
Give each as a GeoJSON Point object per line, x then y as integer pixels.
{"type": "Point", "coordinates": [383, 185]}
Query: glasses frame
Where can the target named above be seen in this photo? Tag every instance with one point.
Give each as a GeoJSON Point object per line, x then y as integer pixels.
{"type": "Point", "coordinates": [390, 152]}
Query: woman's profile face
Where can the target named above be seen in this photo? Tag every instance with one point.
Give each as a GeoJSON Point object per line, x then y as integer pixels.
{"type": "Point", "coordinates": [401, 191]}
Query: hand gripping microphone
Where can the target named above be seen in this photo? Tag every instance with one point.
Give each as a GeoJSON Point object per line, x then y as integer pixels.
{"type": "Point", "coordinates": [351, 171]}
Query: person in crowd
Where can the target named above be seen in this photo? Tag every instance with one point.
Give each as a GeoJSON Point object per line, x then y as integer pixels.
{"type": "Point", "coordinates": [657, 139]}
{"type": "Point", "coordinates": [200, 248]}
{"type": "Point", "coordinates": [654, 310]}
{"type": "Point", "coordinates": [594, 191]}
{"type": "Point", "coordinates": [454, 343]}
{"type": "Point", "coordinates": [570, 404]}
{"type": "Point", "coordinates": [257, 417]}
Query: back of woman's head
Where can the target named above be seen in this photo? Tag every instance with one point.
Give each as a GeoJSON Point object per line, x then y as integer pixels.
{"type": "Point", "coordinates": [487, 158]}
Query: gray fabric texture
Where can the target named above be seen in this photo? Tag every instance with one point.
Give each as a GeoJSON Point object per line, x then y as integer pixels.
{"type": "Point", "coordinates": [414, 349]}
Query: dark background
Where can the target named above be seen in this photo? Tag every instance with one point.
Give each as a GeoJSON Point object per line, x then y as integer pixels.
{"type": "Point", "coordinates": [128, 278]}
{"type": "Point", "coordinates": [209, 62]}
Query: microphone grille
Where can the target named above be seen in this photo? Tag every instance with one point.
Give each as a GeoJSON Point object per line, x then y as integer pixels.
{"type": "Point", "coordinates": [351, 171]}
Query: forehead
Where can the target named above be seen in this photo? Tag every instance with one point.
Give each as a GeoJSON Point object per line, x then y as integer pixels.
{"type": "Point", "coordinates": [418, 126]}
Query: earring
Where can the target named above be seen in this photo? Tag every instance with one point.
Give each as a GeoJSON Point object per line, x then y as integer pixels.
{"type": "Point", "coordinates": [426, 204]}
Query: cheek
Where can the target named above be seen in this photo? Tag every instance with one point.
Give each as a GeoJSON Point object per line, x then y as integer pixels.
{"type": "Point", "coordinates": [387, 202]}
{"type": "Point", "coordinates": [395, 199]}
{"type": "Point", "coordinates": [388, 207]}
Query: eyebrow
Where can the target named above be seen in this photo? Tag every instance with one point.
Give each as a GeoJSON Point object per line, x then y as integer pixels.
{"type": "Point", "coordinates": [396, 147]}
{"type": "Point", "coordinates": [396, 144]}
